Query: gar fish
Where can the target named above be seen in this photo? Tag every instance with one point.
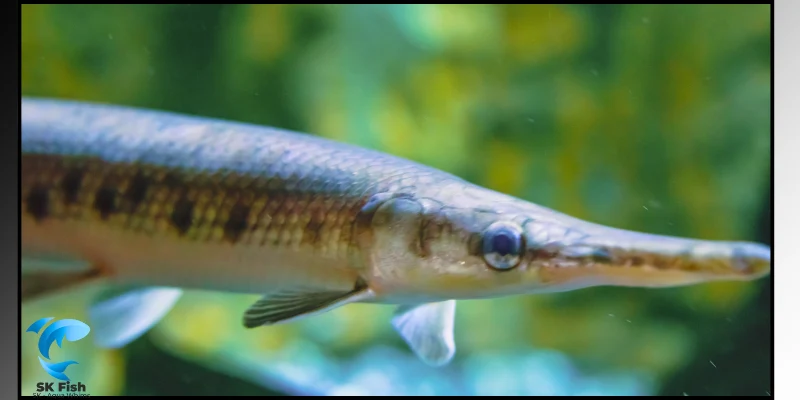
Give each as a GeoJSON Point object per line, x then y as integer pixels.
{"type": "Point", "coordinates": [153, 203]}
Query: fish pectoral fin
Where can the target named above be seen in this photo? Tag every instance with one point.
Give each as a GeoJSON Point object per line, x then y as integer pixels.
{"type": "Point", "coordinates": [292, 303]}
{"type": "Point", "coordinates": [45, 276]}
{"type": "Point", "coordinates": [121, 315]}
{"type": "Point", "coordinates": [428, 330]}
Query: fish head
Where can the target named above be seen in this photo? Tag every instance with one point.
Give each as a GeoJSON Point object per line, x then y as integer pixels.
{"type": "Point", "coordinates": [454, 247]}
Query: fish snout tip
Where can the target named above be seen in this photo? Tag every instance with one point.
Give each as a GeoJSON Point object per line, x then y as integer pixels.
{"type": "Point", "coordinates": [753, 259]}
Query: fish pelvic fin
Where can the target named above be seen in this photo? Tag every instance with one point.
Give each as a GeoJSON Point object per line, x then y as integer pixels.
{"type": "Point", "coordinates": [121, 315]}
{"type": "Point", "coordinates": [428, 330]}
{"type": "Point", "coordinates": [293, 303]}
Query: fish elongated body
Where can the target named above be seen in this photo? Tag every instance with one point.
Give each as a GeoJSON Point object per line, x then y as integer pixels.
{"type": "Point", "coordinates": [159, 202]}
{"type": "Point", "coordinates": [162, 199]}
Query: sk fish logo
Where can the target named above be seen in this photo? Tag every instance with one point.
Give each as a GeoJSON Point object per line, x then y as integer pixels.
{"type": "Point", "coordinates": [70, 329]}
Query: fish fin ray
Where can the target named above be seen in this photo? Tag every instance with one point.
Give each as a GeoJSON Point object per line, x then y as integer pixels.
{"type": "Point", "coordinates": [121, 315]}
{"type": "Point", "coordinates": [428, 330]}
{"type": "Point", "coordinates": [290, 304]}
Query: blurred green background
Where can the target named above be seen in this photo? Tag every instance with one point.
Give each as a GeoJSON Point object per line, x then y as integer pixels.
{"type": "Point", "coordinates": [645, 117]}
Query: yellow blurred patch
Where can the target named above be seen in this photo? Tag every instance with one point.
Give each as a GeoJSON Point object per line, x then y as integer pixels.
{"type": "Point", "coordinates": [39, 38]}
{"type": "Point", "coordinates": [696, 189]}
{"type": "Point", "coordinates": [761, 23]}
{"type": "Point", "coordinates": [613, 332]}
{"type": "Point", "coordinates": [720, 296]}
{"type": "Point", "coordinates": [398, 130]}
{"type": "Point", "coordinates": [469, 29]}
{"type": "Point", "coordinates": [436, 88]}
{"type": "Point", "coordinates": [33, 23]}
{"type": "Point", "coordinates": [265, 31]}
{"type": "Point", "coordinates": [108, 374]}
{"type": "Point", "coordinates": [198, 322]}
{"type": "Point", "coordinates": [576, 119]}
{"type": "Point", "coordinates": [536, 33]}
{"type": "Point", "coordinates": [329, 117]}
{"type": "Point", "coordinates": [422, 136]}
{"type": "Point", "coordinates": [504, 170]}
{"type": "Point", "coordinates": [209, 322]}
{"type": "Point", "coordinates": [269, 339]}
{"type": "Point", "coordinates": [362, 322]}
{"type": "Point", "coordinates": [661, 349]}
{"type": "Point", "coordinates": [442, 95]}
{"type": "Point", "coordinates": [685, 87]}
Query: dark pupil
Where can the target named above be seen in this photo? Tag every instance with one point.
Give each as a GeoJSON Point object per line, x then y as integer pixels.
{"type": "Point", "coordinates": [503, 244]}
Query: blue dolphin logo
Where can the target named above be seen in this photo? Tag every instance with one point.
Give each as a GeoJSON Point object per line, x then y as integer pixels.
{"type": "Point", "coordinates": [70, 329]}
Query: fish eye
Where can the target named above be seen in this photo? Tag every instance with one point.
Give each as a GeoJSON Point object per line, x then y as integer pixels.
{"type": "Point", "coordinates": [502, 246]}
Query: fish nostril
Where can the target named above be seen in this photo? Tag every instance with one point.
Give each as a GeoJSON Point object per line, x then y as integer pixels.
{"type": "Point", "coordinates": [601, 256]}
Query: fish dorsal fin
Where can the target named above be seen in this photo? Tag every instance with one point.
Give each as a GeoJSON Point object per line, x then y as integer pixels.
{"type": "Point", "coordinates": [428, 330]}
{"type": "Point", "coordinates": [292, 303]}
{"type": "Point", "coordinates": [122, 315]}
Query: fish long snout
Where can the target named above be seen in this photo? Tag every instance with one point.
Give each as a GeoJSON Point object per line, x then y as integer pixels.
{"type": "Point", "coordinates": [752, 259]}
{"type": "Point", "coordinates": [712, 259]}
{"type": "Point", "coordinates": [625, 258]}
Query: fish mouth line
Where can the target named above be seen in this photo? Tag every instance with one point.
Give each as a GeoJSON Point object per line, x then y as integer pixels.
{"type": "Point", "coordinates": [567, 279]}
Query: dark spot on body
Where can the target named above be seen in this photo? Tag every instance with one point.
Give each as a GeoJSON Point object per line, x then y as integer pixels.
{"type": "Point", "coordinates": [276, 184]}
{"type": "Point", "coordinates": [105, 201]}
{"type": "Point", "coordinates": [71, 185]}
{"type": "Point", "coordinates": [137, 190]}
{"type": "Point", "coordinates": [689, 265]}
{"type": "Point", "coordinates": [543, 254]}
{"type": "Point", "coordinates": [637, 261]}
{"type": "Point", "coordinates": [667, 263]}
{"type": "Point", "coordinates": [422, 247]}
{"type": "Point", "coordinates": [172, 180]}
{"type": "Point", "coordinates": [38, 202]}
{"type": "Point", "coordinates": [236, 224]}
{"type": "Point", "coordinates": [313, 231]}
{"type": "Point", "coordinates": [181, 216]}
